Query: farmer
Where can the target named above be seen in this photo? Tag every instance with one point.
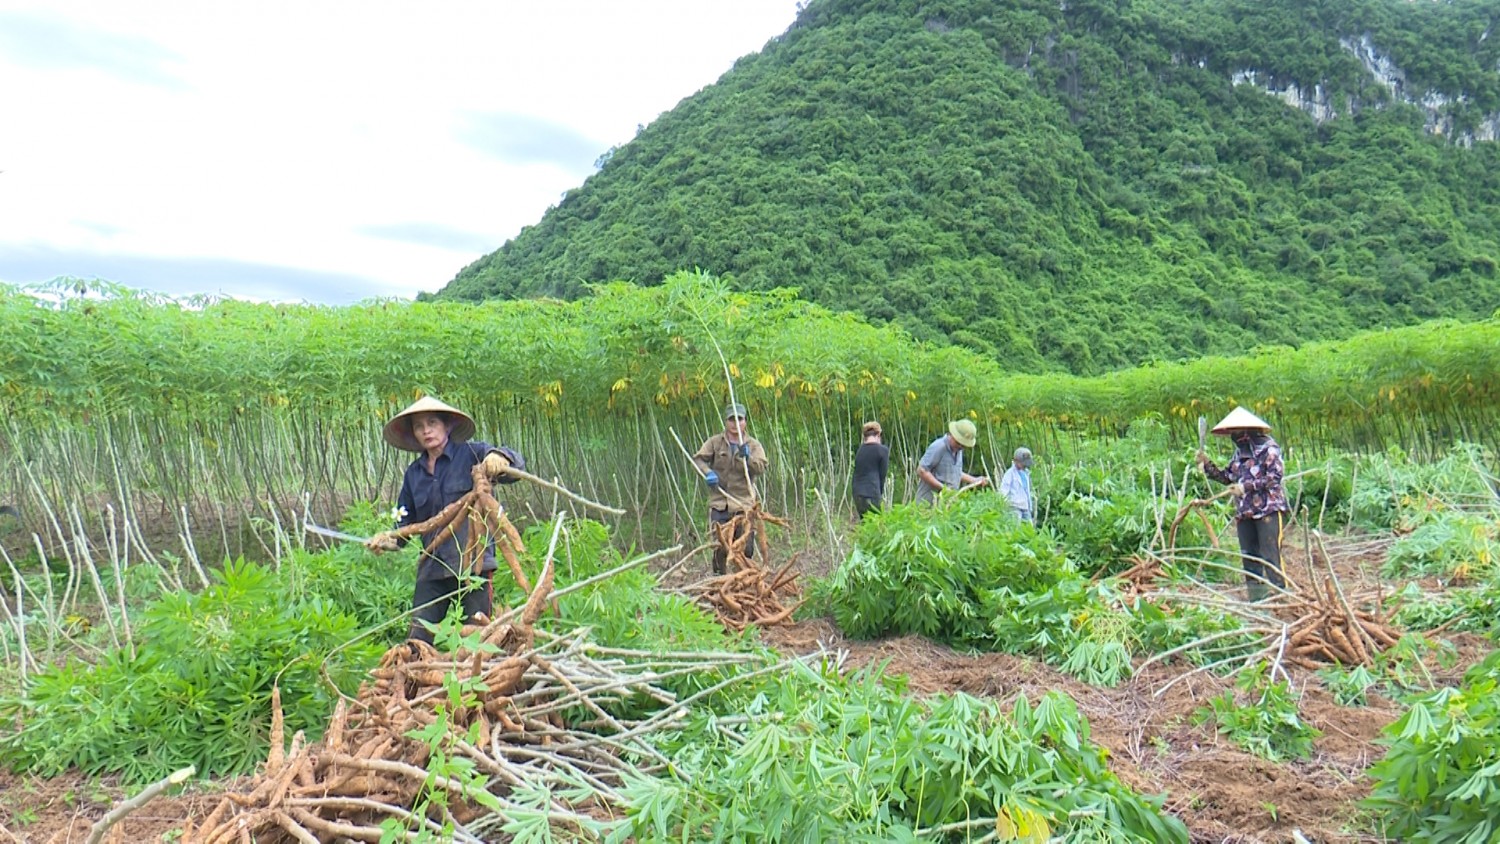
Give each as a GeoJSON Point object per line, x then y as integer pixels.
{"type": "Point", "coordinates": [1015, 485]}
{"type": "Point", "coordinates": [731, 461]}
{"type": "Point", "coordinates": [871, 463]}
{"type": "Point", "coordinates": [1254, 476]}
{"type": "Point", "coordinates": [943, 463]}
{"type": "Point", "coordinates": [439, 477]}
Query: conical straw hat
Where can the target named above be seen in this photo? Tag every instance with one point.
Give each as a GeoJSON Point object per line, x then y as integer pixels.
{"type": "Point", "coordinates": [398, 430]}
{"type": "Point", "coordinates": [1241, 419]}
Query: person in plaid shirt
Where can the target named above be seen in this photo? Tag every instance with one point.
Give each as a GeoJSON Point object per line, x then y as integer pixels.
{"type": "Point", "coordinates": [1254, 476]}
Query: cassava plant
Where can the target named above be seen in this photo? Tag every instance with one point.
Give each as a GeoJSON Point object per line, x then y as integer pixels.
{"type": "Point", "coordinates": [1266, 724]}
{"type": "Point", "coordinates": [198, 688]}
{"type": "Point", "coordinates": [819, 756]}
{"type": "Point", "coordinates": [922, 569]}
{"type": "Point", "coordinates": [1439, 782]}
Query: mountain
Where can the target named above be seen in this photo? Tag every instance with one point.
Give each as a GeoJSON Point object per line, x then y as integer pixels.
{"type": "Point", "coordinates": [1078, 185]}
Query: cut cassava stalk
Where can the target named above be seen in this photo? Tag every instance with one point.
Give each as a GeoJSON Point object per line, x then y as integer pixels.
{"type": "Point", "coordinates": [146, 795]}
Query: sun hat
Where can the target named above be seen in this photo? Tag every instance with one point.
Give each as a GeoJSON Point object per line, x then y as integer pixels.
{"type": "Point", "coordinates": [735, 411]}
{"type": "Point", "coordinates": [398, 431]}
{"type": "Point", "coordinates": [1240, 419]}
{"type": "Point", "coordinates": [1023, 456]}
{"type": "Point", "coordinates": [870, 428]}
{"type": "Point", "coordinates": [964, 431]}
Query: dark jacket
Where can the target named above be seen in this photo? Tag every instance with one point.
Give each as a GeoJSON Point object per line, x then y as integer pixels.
{"type": "Point", "coordinates": [424, 494]}
{"type": "Point", "coordinates": [870, 465]}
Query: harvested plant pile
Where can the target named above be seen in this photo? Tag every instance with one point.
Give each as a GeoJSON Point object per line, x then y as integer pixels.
{"type": "Point", "coordinates": [1333, 626]}
{"type": "Point", "coordinates": [1310, 624]}
{"type": "Point", "coordinates": [495, 706]}
{"type": "Point", "coordinates": [748, 594]}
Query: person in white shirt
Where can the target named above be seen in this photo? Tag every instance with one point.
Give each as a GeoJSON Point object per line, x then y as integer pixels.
{"type": "Point", "coordinates": [1015, 485]}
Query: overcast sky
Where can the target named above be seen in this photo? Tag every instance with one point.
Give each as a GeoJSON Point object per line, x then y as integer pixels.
{"type": "Point", "coordinates": [324, 151]}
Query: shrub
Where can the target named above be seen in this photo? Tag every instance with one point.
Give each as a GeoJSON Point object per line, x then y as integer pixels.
{"type": "Point", "coordinates": [197, 690]}
{"type": "Point", "coordinates": [1269, 727]}
{"type": "Point", "coordinates": [1451, 545]}
{"type": "Point", "coordinates": [921, 569]}
{"type": "Point", "coordinates": [823, 757]}
{"type": "Point", "coordinates": [1440, 779]}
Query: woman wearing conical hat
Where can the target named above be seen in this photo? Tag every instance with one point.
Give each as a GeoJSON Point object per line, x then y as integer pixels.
{"type": "Point", "coordinates": [440, 476]}
{"type": "Point", "coordinates": [1254, 475]}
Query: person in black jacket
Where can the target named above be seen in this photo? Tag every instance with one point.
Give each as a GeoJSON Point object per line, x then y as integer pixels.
{"type": "Point", "coordinates": [441, 475]}
{"type": "Point", "coordinates": [870, 465]}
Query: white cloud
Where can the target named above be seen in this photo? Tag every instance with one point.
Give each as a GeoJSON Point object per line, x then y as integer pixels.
{"type": "Point", "coordinates": [377, 143]}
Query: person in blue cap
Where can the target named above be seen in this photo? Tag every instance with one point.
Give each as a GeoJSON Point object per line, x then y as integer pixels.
{"type": "Point", "coordinates": [730, 462]}
{"type": "Point", "coordinates": [1015, 485]}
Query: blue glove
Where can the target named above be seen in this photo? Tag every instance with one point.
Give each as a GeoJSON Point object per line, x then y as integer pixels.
{"type": "Point", "coordinates": [743, 450]}
{"type": "Point", "coordinates": [712, 478]}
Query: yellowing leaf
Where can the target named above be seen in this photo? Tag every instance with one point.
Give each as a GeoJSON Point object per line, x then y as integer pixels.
{"type": "Point", "coordinates": [1016, 823]}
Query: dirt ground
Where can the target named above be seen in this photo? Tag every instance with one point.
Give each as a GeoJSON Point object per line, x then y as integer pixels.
{"type": "Point", "coordinates": [1222, 793]}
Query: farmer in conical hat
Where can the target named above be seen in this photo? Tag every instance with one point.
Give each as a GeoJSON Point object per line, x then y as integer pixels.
{"type": "Point", "coordinates": [441, 475]}
{"type": "Point", "coordinates": [942, 465]}
{"type": "Point", "coordinates": [1254, 476]}
{"type": "Point", "coordinates": [730, 462]}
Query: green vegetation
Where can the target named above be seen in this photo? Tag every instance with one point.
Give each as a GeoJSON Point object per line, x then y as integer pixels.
{"type": "Point", "coordinates": [810, 753]}
{"type": "Point", "coordinates": [824, 757]}
{"type": "Point", "coordinates": [967, 572]}
{"type": "Point", "coordinates": [243, 404]}
{"type": "Point", "coordinates": [1440, 779]}
{"type": "Point", "coordinates": [1267, 723]}
{"type": "Point", "coordinates": [628, 350]}
{"type": "Point", "coordinates": [1074, 186]}
{"type": "Point", "coordinates": [196, 688]}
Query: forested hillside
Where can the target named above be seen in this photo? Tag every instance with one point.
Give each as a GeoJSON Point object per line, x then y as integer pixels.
{"type": "Point", "coordinates": [1076, 185]}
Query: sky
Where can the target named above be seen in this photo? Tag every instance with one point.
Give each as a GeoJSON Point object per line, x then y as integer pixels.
{"type": "Point", "coordinates": [318, 151]}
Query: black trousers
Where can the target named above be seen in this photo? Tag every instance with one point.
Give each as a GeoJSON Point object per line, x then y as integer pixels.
{"type": "Point", "coordinates": [721, 553]}
{"type": "Point", "coordinates": [476, 596]}
{"type": "Point", "coordinates": [1260, 551]}
{"type": "Point", "coordinates": [863, 505]}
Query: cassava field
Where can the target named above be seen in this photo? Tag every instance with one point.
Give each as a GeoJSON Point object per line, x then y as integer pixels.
{"type": "Point", "coordinates": [931, 674]}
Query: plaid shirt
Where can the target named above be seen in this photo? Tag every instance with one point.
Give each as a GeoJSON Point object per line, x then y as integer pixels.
{"type": "Point", "coordinates": [1259, 472]}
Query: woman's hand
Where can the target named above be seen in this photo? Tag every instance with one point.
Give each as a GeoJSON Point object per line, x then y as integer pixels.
{"type": "Point", "coordinates": [386, 540]}
{"type": "Point", "coordinates": [495, 464]}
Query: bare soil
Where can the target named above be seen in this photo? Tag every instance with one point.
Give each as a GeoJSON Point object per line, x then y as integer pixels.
{"type": "Point", "coordinates": [1221, 792]}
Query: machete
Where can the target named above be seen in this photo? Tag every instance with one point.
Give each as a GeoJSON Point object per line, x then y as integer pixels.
{"type": "Point", "coordinates": [333, 534]}
{"type": "Point", "coordinates": [1202, 433]}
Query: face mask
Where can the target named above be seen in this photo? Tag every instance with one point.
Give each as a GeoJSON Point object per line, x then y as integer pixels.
{"type": "Point", "coordinates": [1243, 439]}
